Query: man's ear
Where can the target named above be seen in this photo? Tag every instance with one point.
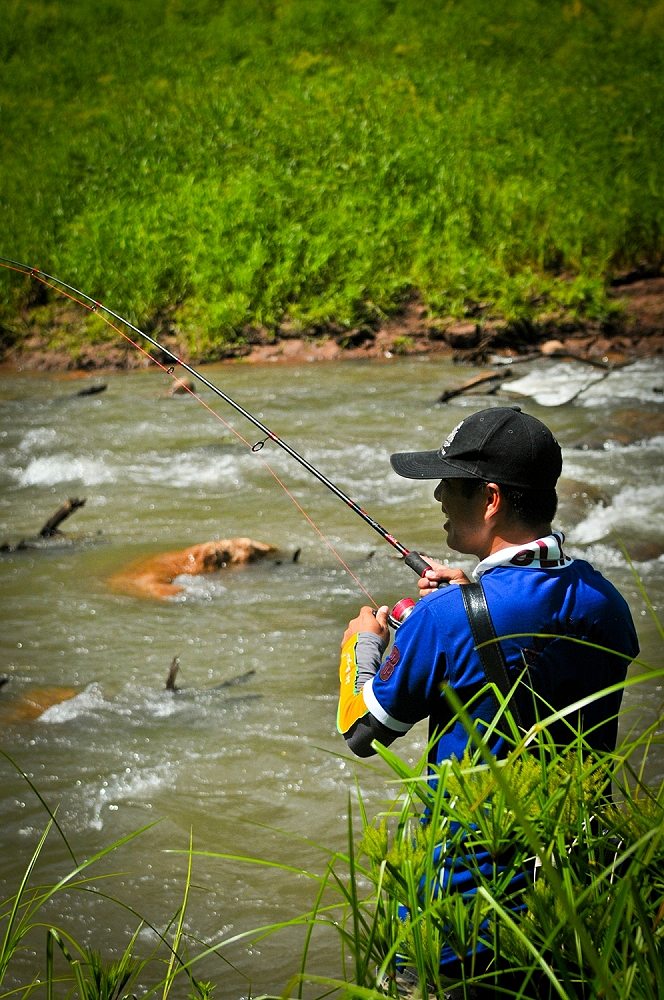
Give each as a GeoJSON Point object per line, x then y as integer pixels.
{"type": "Point", "coordinates": [493, 499]}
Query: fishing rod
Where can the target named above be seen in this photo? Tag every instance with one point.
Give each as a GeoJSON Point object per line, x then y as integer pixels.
{"type": "Point", "coordinates": [411, 558]}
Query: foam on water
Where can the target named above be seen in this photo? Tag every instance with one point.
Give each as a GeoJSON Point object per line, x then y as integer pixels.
{"type": "Point", "coordinates": [132, 785]}
{"type": "Point", "coordinates": [63, 468]}
{"type": "Point", "coordinates": [89, 701]}
{"type": "Point", "coordinates": [137, 706]}
{"type": "Point", "coordinates": [38, 437]}
{"type": "Point", "coordinates": [628, 511]}
{"type": "Point", "coordinates": [181, 470]}
{"type": "Point", "coordinates": [205, 466]}
{"type": "Point", "coordinates": [641, 381]}
{"type": "Point", "coordinates": [647, 448]}
{"type": "Point", "coordinates": [199, 588]}
{"type": "Point", "coordinates": [640, 462]}
{"type": "Point", "coordinates": [610, 558]}
{"type": "Point", "coordinates": [94, 706]}
{"type": "Point", "coordinates": [562, 382]}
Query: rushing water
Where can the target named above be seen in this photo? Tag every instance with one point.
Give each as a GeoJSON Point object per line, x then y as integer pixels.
{"type": "Point", "coordinates": [253, 767]}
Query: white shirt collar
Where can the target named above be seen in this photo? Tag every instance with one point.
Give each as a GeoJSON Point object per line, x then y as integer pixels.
{"type": "Point", "coordinates": [541, 553]}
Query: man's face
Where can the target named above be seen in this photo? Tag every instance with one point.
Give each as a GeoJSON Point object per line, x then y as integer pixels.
{"type": "Point", "coordinates": [464, 506]}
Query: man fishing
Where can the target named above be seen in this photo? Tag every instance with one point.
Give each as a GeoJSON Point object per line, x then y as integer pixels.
{"type": "Point", "coordinates": [496, 476]}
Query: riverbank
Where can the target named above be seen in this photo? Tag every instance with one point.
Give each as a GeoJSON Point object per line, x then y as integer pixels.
{"type": "Point", "coordinates": [636, 330]}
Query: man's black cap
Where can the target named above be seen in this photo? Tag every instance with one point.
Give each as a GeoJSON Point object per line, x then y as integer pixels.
{"type": "Point", "coordinates": [499, 445]}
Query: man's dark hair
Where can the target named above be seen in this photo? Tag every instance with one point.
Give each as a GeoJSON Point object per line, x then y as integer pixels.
{"type": "Point", "coordinates": [533, 507]}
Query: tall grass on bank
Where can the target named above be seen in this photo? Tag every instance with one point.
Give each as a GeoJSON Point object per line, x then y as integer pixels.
{"type": "Point", "coordinates": [217, 167]}
{"type": "Point", "coordinates": [587, 920]}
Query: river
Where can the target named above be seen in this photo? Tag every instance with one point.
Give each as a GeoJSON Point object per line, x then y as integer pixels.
{"type": "Point", "coordinates": [253, 766]}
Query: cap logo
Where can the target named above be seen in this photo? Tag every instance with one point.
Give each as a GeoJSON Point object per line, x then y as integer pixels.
{"type": "Point", "coordinates": [450, 438]}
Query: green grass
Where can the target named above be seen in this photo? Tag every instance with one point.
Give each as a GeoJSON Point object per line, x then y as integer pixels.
{"type": "Point", "coordinates": [244, 163]}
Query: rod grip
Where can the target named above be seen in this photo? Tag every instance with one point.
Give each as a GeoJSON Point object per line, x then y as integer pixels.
{"type": "Point", "coordinates": [415, 561]}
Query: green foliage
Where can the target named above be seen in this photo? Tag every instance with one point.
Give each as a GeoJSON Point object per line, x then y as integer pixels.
{"type": "Point", "coordinates": [258, 160]}
{"type": "Point", "coordinates": [96, 979]}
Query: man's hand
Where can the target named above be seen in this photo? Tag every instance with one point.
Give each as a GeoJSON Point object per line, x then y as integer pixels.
{"type": "Point", "coordinates": [439, 575]}
{"type": "Point", "coordinates": [369, 621]}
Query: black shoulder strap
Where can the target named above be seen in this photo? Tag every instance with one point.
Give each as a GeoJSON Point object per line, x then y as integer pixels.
{"type": "Point", "coordinates": [481, 626]}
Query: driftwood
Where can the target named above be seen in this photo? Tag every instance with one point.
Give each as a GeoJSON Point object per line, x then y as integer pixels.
{"type": "Point", "coordinates": [472, 384]}
{"type": "Point", "coordinates": [567, 355]}
{"type": "Point", "coordinates": [49, 529]}
{"type": "Point", "coordinates": [61, 514]}
{"type": "Point", "coordinates": [232, 682]}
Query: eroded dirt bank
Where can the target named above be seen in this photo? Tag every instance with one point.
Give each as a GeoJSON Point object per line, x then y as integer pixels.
{"type": "Point", "coordinates": [636, 331]}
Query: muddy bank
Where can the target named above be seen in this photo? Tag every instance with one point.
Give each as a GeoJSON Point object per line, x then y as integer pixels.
{"type": "Point", "coordinates": [636, 331]}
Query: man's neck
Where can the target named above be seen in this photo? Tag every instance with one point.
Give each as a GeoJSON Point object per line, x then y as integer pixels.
{"type": "Point", "coordinates": [515, 535]}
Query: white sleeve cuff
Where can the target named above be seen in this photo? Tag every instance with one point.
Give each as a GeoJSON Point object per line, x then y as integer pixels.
{"type": "Point", "coordinates": [379, 712]}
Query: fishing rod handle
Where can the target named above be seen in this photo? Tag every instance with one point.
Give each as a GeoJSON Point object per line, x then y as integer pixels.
{"type": "Point", "coordinates": [415, 562]}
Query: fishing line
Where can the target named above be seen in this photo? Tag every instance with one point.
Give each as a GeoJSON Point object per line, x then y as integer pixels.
{"type": "Point", "coordinates": [411, 558]}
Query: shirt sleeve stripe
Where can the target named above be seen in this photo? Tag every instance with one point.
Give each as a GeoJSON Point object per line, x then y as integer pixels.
{"type": "Point", "coordinates": [379, 712]}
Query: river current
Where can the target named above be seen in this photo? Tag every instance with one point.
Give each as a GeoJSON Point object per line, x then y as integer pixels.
{"type": "Point", "coordinates": [246, 758]}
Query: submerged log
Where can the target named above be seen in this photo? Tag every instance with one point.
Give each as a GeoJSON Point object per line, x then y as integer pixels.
{"type": "Point", "coordinates": [154, 576]}
{"type": "Point", "coordinates": [92, 390]}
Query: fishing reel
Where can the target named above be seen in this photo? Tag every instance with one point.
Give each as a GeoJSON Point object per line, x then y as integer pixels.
{"type": "Point", "coordinates": [400, 612]}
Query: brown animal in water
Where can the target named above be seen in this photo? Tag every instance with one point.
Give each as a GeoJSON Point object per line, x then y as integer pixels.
{"type": "Point", "coordinates": [154, 576]}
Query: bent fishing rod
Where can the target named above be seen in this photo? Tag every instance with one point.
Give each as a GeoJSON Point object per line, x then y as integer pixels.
{"type": "Point", "coordinates": [411, 558]}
